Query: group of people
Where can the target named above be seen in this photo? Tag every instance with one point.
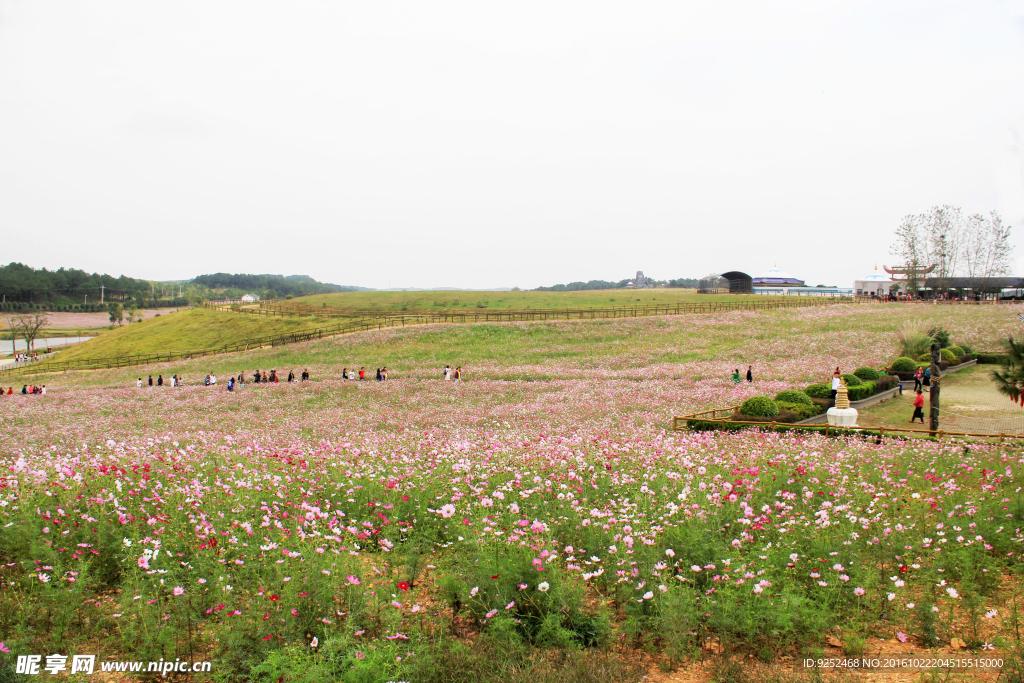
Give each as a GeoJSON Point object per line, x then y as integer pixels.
{"type": "Point", "coordinates": [737, 378]}
{"type": "Point", "coordinates": [173, 381]}
{"type": "Point", "coordinates": [346, 374]}
{"type": "Point", "coordinates": [20, 358]}
{"type": "Point", "coordinates": [25, 389]}
{"type": "Point", "coordinates": [453, 376]}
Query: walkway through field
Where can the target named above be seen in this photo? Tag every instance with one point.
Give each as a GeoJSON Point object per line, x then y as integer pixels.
{"type": "Point", "coordinates": [970, 403]}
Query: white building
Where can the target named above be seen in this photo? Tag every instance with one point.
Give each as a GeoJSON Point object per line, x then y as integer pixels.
{"type": "Point", "coordinates": [876, 283]}
{"type": "Point", "coordinates": [250, 298]}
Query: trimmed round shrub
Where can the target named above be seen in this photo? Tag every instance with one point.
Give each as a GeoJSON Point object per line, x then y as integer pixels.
{"type": "Point", "coordinates": [794, 396]}
{"type": "Point", "coordinates": [760, 406]}
{"type": "Point", "coordinates": [925, 358]}
{"type": "Point", "coordinates": [957, 351]}
{"type": "Point", "coordinates": [867, 373]}
{"type": "Point", "coordinates": [851, 379]}
{"type": "Point", "coordinates": [904, 364]}
{"type": "Point", "coordinates": [947, 355]}
{"type": "Point", "coordinates": [966, 348]}
{"type": "Point", "coordinates": [819, 391]}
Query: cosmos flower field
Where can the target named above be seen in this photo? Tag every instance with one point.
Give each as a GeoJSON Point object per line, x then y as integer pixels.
{"type": "Point", "coordinates": [384, 531]}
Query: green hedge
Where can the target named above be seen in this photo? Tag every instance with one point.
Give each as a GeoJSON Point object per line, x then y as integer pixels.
{"type": "Point", "coordinates": [802, 411]}
{"type": "Point", "coordinates": [760, 406]}
{"type": "Point", "coordinates": [709, 426]}
{"type": "Point", "coordinates": [867, 373]}
{"type": "Point", "coordinates": [957, 351]}
{"type": "Point", "coordinates": [819, 391]}
{"type": "Point", "coordinates": [861, 391]}
{"type": "Point", "coordinates": [794, 396]}
{"type": "Point", "coordinates": [990, 358]}
{"type": "Point", "coordinates": [852, 380]}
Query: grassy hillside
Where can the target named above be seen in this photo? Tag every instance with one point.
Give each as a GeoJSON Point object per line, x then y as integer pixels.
{"type": "Point", "coordinates": [182, 331]}
{"type": "Point", "coordinates": [459, 300]}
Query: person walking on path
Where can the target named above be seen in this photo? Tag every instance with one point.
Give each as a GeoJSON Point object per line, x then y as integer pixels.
{"type": "Point", "coordinates": [918, 407]}
{"type": "Point", "coordinates": [305, 374]}
{"type": "Point", "coordinates": [750, 373]}
{"type": "Point", "coordinates": [379, 378]}
{"type": "Point", "coordinates": [927, 380]}
{"type": "Point", "coordinates": [231, 384]}
{"type": "Point", "coordinates": [151, 380]}
{"type": "Point", "coordinates": [918, 375]}
{"type": "Point", "coordinates": [458, 373]}
{"type": "Point", "coordinates": [291, 375]}
{"type": "Point", "coordinates": [835, 383]}
{"type": "Point", "coordinates": [735, 376]}
{"type": "Point", "coordinates": [362, 374]}
{"type": "Point", "coordinates": [447, 373]}
{"type": "Point", "coordinates": [139, 383]}
{"type": "Point", "coordinates": [160, 380]}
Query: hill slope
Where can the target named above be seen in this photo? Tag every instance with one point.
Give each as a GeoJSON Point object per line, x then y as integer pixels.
{"type": "Point", "coordinates": [183, 331]}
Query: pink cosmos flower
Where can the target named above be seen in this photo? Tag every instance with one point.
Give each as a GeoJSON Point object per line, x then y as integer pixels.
{"type": "Point", "coordinates": [178, 590]}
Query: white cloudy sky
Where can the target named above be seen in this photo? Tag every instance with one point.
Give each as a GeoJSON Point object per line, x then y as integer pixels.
{"type": "Point", "coordinates": [479, 144]}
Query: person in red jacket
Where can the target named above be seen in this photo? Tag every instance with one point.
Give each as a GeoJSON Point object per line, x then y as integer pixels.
{"type": "Point", "coordinates": [918, 407]}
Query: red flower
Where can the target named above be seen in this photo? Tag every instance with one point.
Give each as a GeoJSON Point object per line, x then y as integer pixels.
{"type": "Point", "coordinates": [302, 595]}
{"type": "Point", "coordinates": [267, 637]}
{"type": "Point", "coordinates": [496, 576]}
{"type": "Point", "coordinates": [404, 585]}
{"type": "Point", "coordinates": [274, 598]}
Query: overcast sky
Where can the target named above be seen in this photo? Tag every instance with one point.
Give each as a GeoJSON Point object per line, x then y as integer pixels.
{"type": "Point", "coordinates": [480, 144]}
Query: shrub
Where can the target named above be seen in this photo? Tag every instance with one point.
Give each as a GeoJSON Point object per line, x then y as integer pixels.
{"type": "Point", "coordinates": [990, 358]}
{"type": "Point", "coordinates": [760, 406]}
{"type": "Point", "coordinates": [947, 355]}
{"type": "Point", "coordinates": [794, 396]}
{"type": "Point", "coordinates": [914, 338]}
{"type": "Point", "coordinates": [957, 351]}
{"type": "Point", "coordinates": [966, 348]}
{"type": "Point", "coordinates": [851, 379]}
{"type": "Point", "coordinates": [819, 391]}
{"type": "Point", "coordinates": [904, 364]}
{"type": "Point", "coordinates": [867, 373]}
{"type": "Point", "coordinates": [925, 358]}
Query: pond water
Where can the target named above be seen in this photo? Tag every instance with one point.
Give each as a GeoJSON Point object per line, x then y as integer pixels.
{"type": "Point", "coordinates": [41, 344]}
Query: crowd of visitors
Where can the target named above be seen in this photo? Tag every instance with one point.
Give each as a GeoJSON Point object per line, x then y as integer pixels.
{"type": "Point", "coordinates": [25, 390]}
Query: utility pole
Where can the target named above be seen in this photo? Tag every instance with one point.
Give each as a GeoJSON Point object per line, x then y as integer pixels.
{"type": "Point", "coordinates": [933, 394]}
{"type": "Point", "coordinates": [101, 293]}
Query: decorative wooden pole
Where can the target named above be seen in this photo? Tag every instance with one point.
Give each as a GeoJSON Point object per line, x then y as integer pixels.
{"type": "Point", "coordinates": [933, 394]}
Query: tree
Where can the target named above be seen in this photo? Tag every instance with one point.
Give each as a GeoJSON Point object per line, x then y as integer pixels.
{"type": "Point", "coordinates": [1009, 379]}
{"type": "Point", "coordinates": [116, 313]}
{"type": "Point", "coordinates": [987, 248]}
{"type": "Point", "coordinates": [29, 325]}
{"type": "Point", "coordinates": [975, 246]}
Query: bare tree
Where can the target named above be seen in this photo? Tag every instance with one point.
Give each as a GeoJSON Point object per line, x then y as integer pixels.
{"type": "Point", "coordinates": [911, 247]}
{"type": "Point", "coordinates": [944, 233]}
{"type": "Point", "coordinates": [987, 249]}
{"type": "Point", "coordinates": [30, 326]}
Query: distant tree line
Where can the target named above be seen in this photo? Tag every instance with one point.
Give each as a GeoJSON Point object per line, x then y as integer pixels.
{"type": "Point", "coordinates": [268, 286]}
{"type": "Point", "coordinates": [621, 284]}
{"type": "Point", "coordinates": [24, 284]}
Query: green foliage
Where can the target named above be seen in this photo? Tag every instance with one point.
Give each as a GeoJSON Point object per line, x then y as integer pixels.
{"type": "Point", "coordinates": [276, 285]}
{"type": "Point", "coordinates": [819, 391]}
{"type": "Point", "coordinates": [760, 406]}
{"type": "Point", "coordinates": [801, 411]}
{"type": "Point", "coordinates": [861, 391]}
{"type": "Point", "coordinates": [904, 364]}
{"type": "Point", "coordinates": [947, 355]}
{"type": "Point", "coordinates": [941, 336]}
{"type": "Point", "coordinates": [794, 396]}
{"type": "Point", "coordinates": [852, 380]}
{"type": "Point", "coordinates": [925, 358]}
{"type": "Point", "coordinates": [867, 373]}
{"type": "Point", "coordinates": [913, 338]}
{"type": "Point", "coordinates": [1009, 378]}
{"type": "Point", "coordinates": [957, 351]}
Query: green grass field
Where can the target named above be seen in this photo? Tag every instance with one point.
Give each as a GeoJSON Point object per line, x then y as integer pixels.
{"type": "Point", "coordinates": [458, 300]}
{"type": "Point", "coordinates": [183, 331]}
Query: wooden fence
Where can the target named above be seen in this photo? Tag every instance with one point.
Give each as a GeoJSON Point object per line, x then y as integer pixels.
{"type": "Point", "coordinates": [541, 314]}
{"type": "Point", "coordinates": [718, 417]}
